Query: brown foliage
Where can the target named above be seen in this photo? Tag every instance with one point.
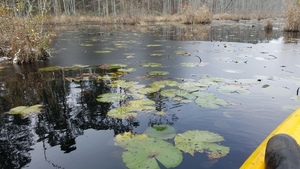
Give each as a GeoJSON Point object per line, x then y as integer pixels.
{"type": "Point", "coordinates": [197, 16]}
{"type": "Point", "coordinates": [292, 23]}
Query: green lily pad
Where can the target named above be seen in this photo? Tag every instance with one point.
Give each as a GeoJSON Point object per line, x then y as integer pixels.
{"type": "Point", "coordinates": [158, 73]}
{"type": "Point", "coordinates": [122, 113]}
{"type": "Point", "coordinates": [156, 54]}
{"type": "Point", "coordinates": [192, 86]}
{"type": "Point", "coordinates": [144, 152]}
{"type": "Point", "coordinates": [229, 89]}
{"type": "Point", "coordinates": [141, 105]}
{"type": "Point", "coordinates": [169, 93]}
{"type": "Point", "coordinates": [111, 97]}
{"type": "Point", "coordinates": [151, 64]}
{"type": "Point", "coordinates": [116, 66]}
{"type": "Point", "coordinates": [51, 68]}
{"type": "Point", "coordinates": [102, 51]}
{"type": "Point", "coordinates": [162, 83]}
{"type": "Point", "coordinates": [25, 110]}
{"type": "Point", "coordinates": [86, 44]}
{"type": "Point", "coordinates": [161, 131]}
{"type": "Point", "coordinates": [202, 142]}
{"type": "Point", "coordinates": [181, 52]}
{"type": "Point", "coordinates": [209, 100]}
{"type": "Point", "coordinates": [127, 70]}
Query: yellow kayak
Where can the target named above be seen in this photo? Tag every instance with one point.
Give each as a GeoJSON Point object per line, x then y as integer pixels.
{"type": "Point", "coordinates": [290, 126]}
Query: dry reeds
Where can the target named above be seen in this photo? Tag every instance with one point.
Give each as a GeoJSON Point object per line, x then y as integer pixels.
{"type": "Point", "coordinates": [199, 16]}
{"type": "Point", "coordinates": [23, 39]}
{"type": "Point", "coordinates": [292, 23]}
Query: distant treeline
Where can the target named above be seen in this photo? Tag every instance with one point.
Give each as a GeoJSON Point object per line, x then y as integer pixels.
{"type": "Point", "coordinates": [106, 8]}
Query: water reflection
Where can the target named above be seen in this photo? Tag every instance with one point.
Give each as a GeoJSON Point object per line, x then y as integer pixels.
{"type": "Point", "coordinates": [69, 109]}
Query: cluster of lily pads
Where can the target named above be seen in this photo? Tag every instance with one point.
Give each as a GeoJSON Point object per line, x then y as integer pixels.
{"type": "Point", "coordinates": [146, 150]}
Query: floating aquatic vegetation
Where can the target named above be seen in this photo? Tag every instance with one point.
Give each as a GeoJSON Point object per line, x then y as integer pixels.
{"type": "Point", "coordinates": [127, 70]}
{"type": "Point", "coordinates": [86, 44]}
{"type": "Point", "coordinates": [102, 51]}
{"type": "Point", "coordinates": [169, 93]}
{"type": "Point", "coordinates": [116, 66]}
{"type": "Point", "coordinates": [161, 131]}
{"type": "Point", "coordinates": [192, 86]}
{"type": "Point", "coordinates": [111, 97]}
{"type": "Point", "coordinates": [141, 105]}
{"type": "Point", "coordinates": [151, 64]}
{"type": "Point", "coordinates": [143, 90]}
{"type": "Point", "coordinates": [209, 100]}
{"type": "Point", "coordinates": [154, 45]}
{"type": "Point", "coordinates": [158, 73]}
{"type": "Point", "coordinates": [156, 54]}
{"type": "Point", "coordinates": [202, 142]}
{"type": "Point", "coordinates": [76, 67]}
{"type": "Point", "coordinates": [207, 80]}
{"type": "Point", "coordinates": [51, 68]}
{"type": "Point", "coordinates": [144, 152]}
{"type": "Point", "coordinates": [122, 113]}
{"type": "Point", "coordinates": [162, 83]}
{"type": "Point", "coordinates": [26, 110]}
{"type": "Point", "coordinates": [181, 52]}
{"type": "Point", "coordinates": [230, 89]}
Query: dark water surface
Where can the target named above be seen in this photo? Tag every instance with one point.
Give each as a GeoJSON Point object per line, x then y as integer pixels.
{"type": "Point", "coordinates": [74, 132]}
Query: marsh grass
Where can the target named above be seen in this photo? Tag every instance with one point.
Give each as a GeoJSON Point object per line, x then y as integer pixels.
{"type": "Point", "coordinates": [23, 39]}
{"type": "Point", "coordinates": [197, 16]}
{"type": "Point", "coordinates": [292, 23]}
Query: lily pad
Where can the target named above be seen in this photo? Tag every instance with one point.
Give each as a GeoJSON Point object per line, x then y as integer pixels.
{"type": "Point", "coordinates": [116, 66]}
{"type": "Point", "coordinates": [122, 113]}
{"type": "Point", "coordinates": [209, 100]}
{"type": "Point", "coordinates": [26, 110]}
{"type": "Point", "coordinates": [169, 93]}
{"type": "Point", "coordinates": [161, 131]}
{"type": "Point", "coordinates": [141, 105]}
{"type": "Point", "coordinates": [162, 83]}
{"type": "Point", "coordinates": [111, 97]}
{"type": "Point", "coordinates": [192, 86]}
{"type": "Point", "coordinates": [145, 152]}
{"type": "Point", "coordinates": [102, 51]}
{"type": "Point", "coordinates": [158, 73]}
{"type": "Point", "coordinates": [202, 142]}
{"type": "Point", "coordinates": [122, 84]}
{"type": "Point", "coordinates": [154, 45]}
{"type": "Point", "coordinates": [151, 64]}
{"type": "Point", "coordinates": [51, 68]}
{"type": "Point", "coordinates": [127, 70]}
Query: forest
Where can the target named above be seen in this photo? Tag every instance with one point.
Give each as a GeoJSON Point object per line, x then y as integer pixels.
{"type": "Point", "coordinates": [24, 38]}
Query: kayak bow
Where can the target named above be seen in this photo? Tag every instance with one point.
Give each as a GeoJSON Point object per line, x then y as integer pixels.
{"type": "Point", "coordinates": [290, 126]}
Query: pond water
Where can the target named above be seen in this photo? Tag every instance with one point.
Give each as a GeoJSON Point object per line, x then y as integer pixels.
{"type": "Point", "coordinates": [254, 72]}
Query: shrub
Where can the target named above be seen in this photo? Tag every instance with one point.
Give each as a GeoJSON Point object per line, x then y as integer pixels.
{"type": "Point", "coordinates": [22, 38]}
{"type": "Point", "coordinates": [292, 23]}
{"type": "Point", "coordinates": [193, 16]}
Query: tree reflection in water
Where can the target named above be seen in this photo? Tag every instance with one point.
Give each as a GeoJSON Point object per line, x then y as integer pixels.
{"type": "Point", "coordinates": [69, 109]}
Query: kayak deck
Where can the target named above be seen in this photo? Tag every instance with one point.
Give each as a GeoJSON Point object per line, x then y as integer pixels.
{"type": "Point", "coordinates": [290, 126]}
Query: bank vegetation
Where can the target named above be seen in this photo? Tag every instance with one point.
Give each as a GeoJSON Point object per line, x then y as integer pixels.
{"type": "Point", "coordinates": [25, 25]}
